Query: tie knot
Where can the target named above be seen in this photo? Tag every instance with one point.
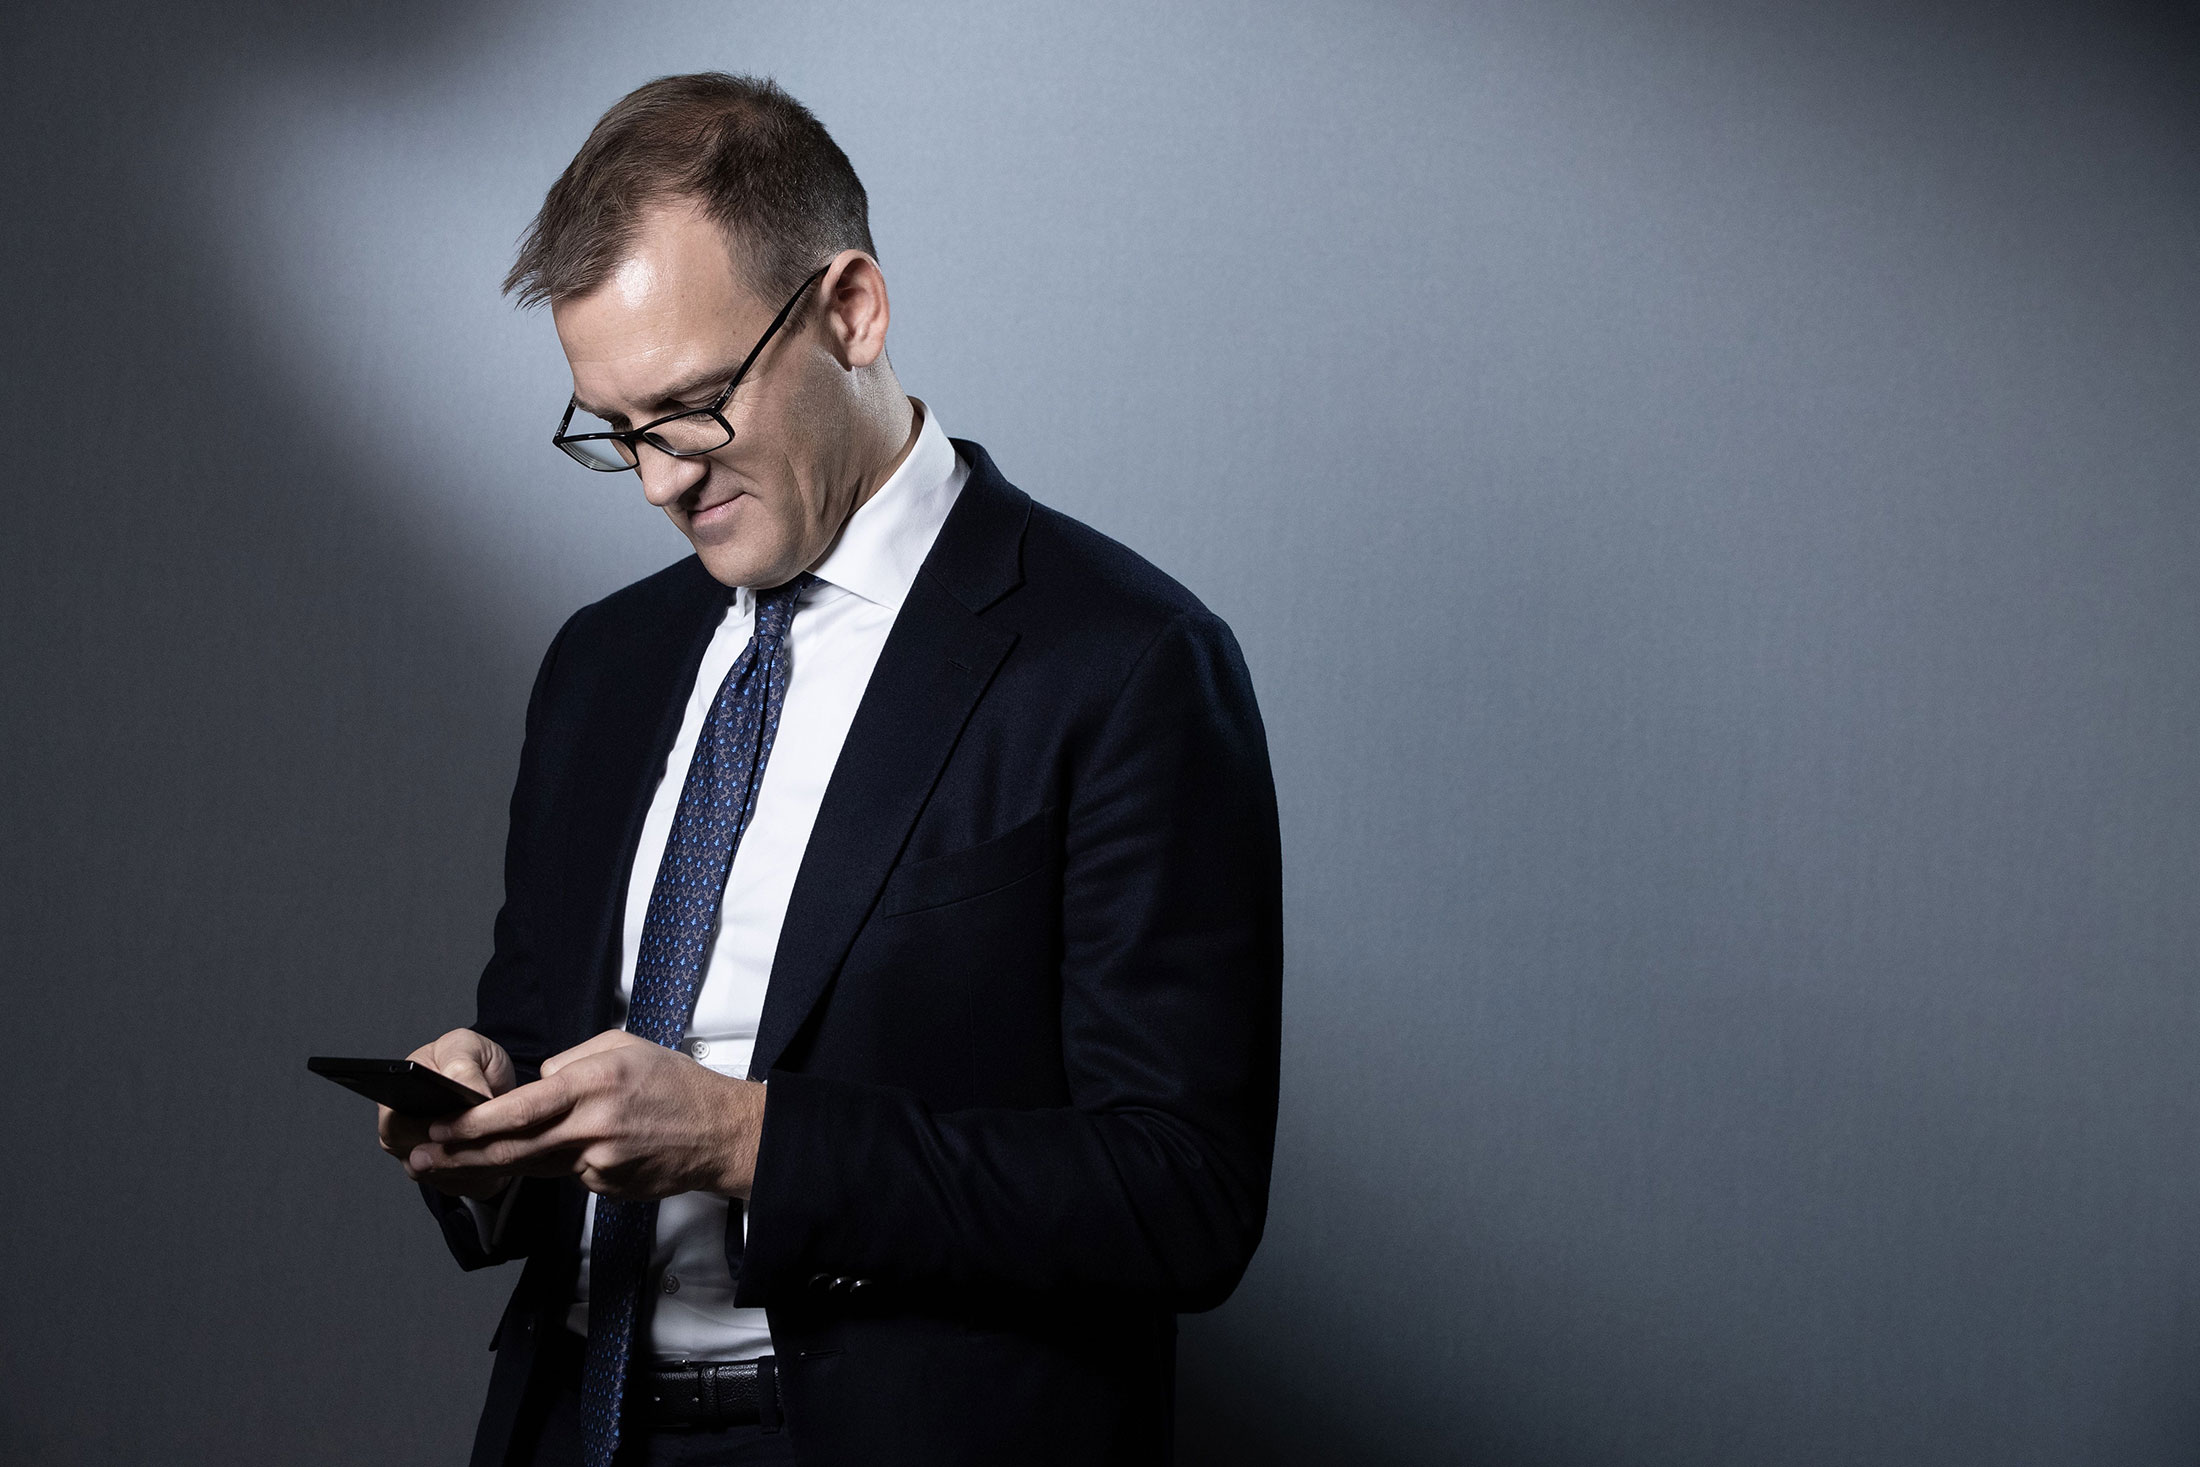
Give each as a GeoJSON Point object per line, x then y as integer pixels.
{"type": "Point", "coordinates": [775, 608]}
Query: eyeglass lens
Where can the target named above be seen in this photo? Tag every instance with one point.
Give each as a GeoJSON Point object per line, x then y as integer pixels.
{"type": "Point", "coordinates": [686, 436]}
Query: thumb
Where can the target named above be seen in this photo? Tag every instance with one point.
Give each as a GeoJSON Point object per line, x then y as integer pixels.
{"type": "Point", "coordinates": [463, 1057]}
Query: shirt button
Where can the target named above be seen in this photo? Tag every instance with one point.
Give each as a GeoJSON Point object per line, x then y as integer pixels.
{"type": "Point", "coordinates": [672, 1283]}
{"type": "Point", "coordinates": [699, 1049]}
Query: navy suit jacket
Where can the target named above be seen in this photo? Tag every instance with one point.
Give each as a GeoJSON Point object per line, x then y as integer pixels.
{"type": "Point", "coordinates": [1021, 1030]}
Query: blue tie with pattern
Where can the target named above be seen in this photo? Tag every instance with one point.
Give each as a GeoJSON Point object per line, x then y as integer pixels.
{"type": "Point", "coordinates": [715, 805]}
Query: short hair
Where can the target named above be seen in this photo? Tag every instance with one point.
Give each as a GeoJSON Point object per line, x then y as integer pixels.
{"type": "Point", "coordinates": [753, 158]}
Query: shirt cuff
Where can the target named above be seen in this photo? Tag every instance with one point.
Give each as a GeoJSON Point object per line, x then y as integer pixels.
{"type": "Point", "coordinates": [490, 1217]}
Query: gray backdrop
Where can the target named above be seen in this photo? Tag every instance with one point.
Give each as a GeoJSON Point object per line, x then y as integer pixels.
{"type": "Point", "coordinates": [1706, 493]}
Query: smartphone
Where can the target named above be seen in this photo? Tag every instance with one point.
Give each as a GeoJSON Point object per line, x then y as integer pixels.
{"type": "Point", "coordinates": [405, 1086]}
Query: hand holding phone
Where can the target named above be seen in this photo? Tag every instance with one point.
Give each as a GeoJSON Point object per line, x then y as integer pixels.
{"type": "Point", "coordinates": [455, 1073]}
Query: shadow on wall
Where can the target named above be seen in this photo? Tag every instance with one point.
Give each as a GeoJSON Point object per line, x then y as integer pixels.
{"type": "Point", "coordinates": [256, 763]}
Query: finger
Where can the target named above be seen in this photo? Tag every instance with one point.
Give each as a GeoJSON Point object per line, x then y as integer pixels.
{"type": "Point", "coordinates": [525, 1109]}
{"type": "Point", "coordinates": [398, 1134]}
{"type": "Point", "coordinates": [496, 1065]}
{"type": "Point", "coordinates": [607, 1181]}
{"type": "Point", "coordinates": [596, 1044]}
{"type": "Point", "coordinates": [464, 1056]}
{"type": "Point", "coordinates": [550, 1154]}
{"type": "Point", "coordinates": [488, 1058]}
{"type": "Point", "coordinates": [465, 1181]}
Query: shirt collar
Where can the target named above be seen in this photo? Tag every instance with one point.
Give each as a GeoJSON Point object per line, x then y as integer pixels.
{"type": "Point", "coordinates": [885, 541]}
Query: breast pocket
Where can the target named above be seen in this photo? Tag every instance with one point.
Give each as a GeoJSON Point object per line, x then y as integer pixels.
{"type": "Point", "coordinates": [971, 872]}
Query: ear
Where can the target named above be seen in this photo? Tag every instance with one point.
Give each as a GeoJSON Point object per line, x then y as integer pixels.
{"type": "Point", "coordinates": [856, 312]}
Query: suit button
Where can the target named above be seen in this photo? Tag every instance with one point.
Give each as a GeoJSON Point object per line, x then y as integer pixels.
{"type": "Point", "coordinates": [857, 1286]}
{"type": "Point", "coordinates": [821, 1280]}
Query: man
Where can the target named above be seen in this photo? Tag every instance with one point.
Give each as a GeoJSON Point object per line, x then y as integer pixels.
{"type": "Point", "coordinates": [883, 1019]}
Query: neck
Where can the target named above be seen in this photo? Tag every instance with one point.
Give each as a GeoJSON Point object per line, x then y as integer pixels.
{"type": "Point", "coordinates": [899, 423]}
{"type": "Point", "coordinates": [892, 432]}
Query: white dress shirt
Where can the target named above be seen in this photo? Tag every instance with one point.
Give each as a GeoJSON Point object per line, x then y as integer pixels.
{"type": "Point", "coordinates": [839, 628]}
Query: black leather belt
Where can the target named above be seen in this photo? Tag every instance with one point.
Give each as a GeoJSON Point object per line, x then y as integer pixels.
{"type": "Point", "coordinates": [701, 1393]}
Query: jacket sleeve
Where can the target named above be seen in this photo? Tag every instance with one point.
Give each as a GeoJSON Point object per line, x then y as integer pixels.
{"type": "Point", "coordinates": [508, 1000]}
{"type": "Point", "coordinates": [1153, 1182]}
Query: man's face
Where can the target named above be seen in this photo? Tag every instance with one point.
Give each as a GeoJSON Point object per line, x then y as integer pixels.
{"type": "Point", "coordinates": [666, 332]}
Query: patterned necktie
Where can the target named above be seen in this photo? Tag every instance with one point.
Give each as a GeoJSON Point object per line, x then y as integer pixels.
{"type": "Point", "coordinates": [715, 805]}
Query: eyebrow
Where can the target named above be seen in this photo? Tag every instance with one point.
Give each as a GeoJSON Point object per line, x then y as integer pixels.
{"type": "Point", "coordinates": [670, 397]}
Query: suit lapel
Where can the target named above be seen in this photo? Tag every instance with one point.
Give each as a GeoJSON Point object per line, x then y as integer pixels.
{"type": "Point", "coordinates": [634, 719]}
{"type": "Point", "coordinates": [935, 666]}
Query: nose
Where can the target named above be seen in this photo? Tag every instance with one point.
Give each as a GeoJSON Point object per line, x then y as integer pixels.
{"type": "Point", "coordinates": [665, 478]}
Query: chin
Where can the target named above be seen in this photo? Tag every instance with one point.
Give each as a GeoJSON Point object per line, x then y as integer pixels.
{"type": "Point", "coordinates": [735, 565]}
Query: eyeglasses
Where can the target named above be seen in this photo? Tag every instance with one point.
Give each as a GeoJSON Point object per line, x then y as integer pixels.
{"type": "Point", "coordinates": [688, 434]}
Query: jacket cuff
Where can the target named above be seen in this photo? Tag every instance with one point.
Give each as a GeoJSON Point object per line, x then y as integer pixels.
{"type": "Point", "coordinates": [493, 1217]}
{"type": "Point", "coordinates": [482, 1235]}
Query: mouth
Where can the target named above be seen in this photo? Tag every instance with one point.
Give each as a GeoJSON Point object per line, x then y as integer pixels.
{"type": "Point", "coordinates": [711, 516]}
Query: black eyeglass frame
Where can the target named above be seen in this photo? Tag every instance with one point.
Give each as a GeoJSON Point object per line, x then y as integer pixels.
{"type": "Point", "coordinates": [631, 439]}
